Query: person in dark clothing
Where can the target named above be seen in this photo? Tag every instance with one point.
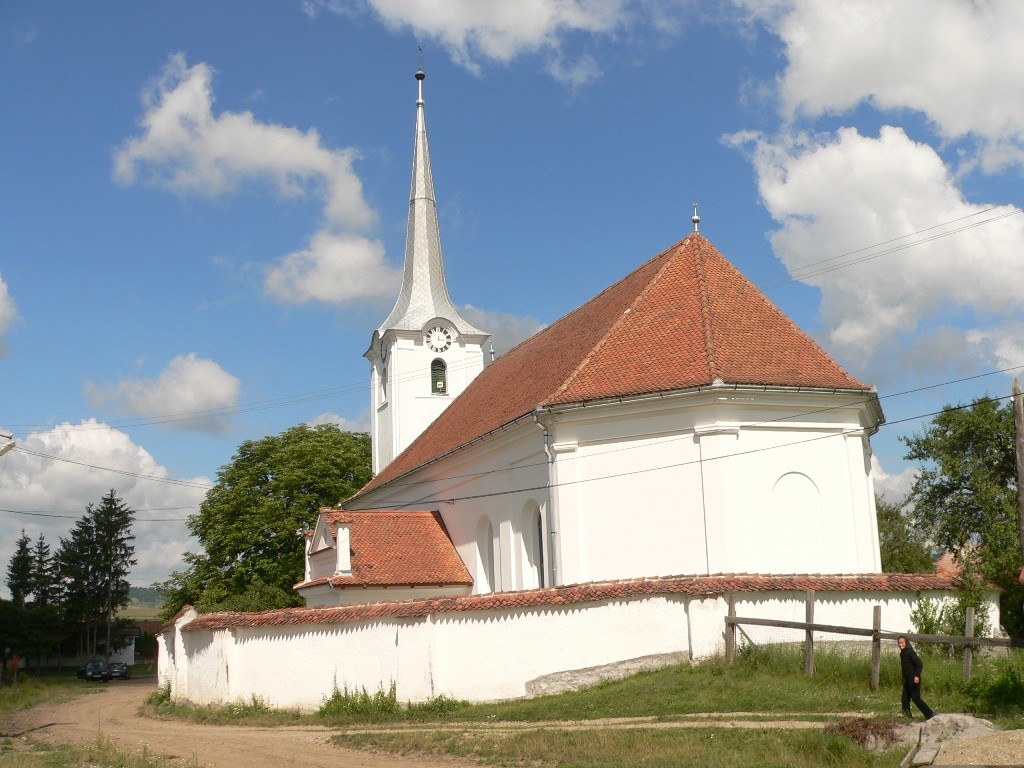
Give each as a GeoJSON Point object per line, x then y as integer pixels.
{"type": "Point", "coordinates": [912, 666]}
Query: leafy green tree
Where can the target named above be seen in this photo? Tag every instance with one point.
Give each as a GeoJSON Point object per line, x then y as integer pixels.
{"type": "Point", "coordinates": [19, 571]}
{"type": "Point", "coordinates": [965, 497]}
{"type": "Point", "coordinates": [903, 547]}
{"type": "Point", "coordinates": [250, 523]}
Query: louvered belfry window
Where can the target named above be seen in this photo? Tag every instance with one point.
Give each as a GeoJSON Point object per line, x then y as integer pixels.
{"type": "Point", "coordinates": [438, 378]}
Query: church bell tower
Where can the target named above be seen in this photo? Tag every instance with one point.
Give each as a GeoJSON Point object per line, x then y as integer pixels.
{"type": "Point", "coordinates": [425, 353]}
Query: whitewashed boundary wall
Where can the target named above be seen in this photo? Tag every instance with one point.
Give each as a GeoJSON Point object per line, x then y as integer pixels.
{"type": "Point", "coordinates": [490, 647]}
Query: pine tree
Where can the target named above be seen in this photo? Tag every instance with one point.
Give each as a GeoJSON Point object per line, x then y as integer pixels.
{"type": "Point", "coordinates": [115, 552]}
{"type": "Point", "coordinates": [94, 564]}
{"type": "Point", "coordinates": [76, 565]}
{"type": "Point", "coordinates": [43, 576]}
{"type": "Point", "coordinates": [19, 571]}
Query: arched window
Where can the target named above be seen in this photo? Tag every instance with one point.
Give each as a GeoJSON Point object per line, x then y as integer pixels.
{"type": "Point", "coordinates": [532, 532]}
{"type": "Point", "coordinates": [383, 385]}
{"type": "Point", "coordinates": [485, 556]}
{"type": "Point", "coordinates": [438, 377]}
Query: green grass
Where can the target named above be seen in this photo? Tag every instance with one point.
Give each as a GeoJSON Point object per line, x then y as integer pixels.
{"type": "Point", "coordinates": [100, 754]}
{"type": "Point", "coordinates": [565, 748]}
{"type": "Point", "coordinates": [31, 691]}
{"type": "Point", "coordinates": [770, 684]}
{"type": "Point", "coordinates": [763, 685]}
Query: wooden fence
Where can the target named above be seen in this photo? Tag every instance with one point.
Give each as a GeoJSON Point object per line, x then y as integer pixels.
{"type": "Point", "coordinates": [877, 635]}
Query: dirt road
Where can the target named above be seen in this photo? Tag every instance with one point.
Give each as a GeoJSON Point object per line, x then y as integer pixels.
{"type": "Point", "coordinates": [112, 711]}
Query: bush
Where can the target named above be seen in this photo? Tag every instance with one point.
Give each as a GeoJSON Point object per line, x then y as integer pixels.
{"type": "Point", "coordinates": [438, 707]}
{"type": "Point", "coordinates": [930, 617]}
{"type": "Point", "coordinates": [255, 705]}
{"type": "Point", "coordinates": [1004, 690]}
{"type": "Point", "coordinates": [345, 703]}
{"type": "Point", "coordinates": [161, 695]}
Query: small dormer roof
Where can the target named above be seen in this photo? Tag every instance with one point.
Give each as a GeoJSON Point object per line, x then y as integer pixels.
{"type": "Point", "coordinates": [393, 548]}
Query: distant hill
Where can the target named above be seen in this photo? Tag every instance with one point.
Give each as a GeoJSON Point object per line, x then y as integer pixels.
{"type": "Point", "coordinates": [147, 596]}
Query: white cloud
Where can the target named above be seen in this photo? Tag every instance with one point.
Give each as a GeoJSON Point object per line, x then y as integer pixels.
{"type": "Point", "coordinates": [955, 61]}
{"type": "Point", "coordinates": [835, 195]}
{"type": "Point", "coordinates": [334, 269]}
{"type": "Point", "coordinates": [188, 149]}
{"type": "Point", "coordinates": [1002, 348]}
{"type": "Point", "coordinates": [506, 329]}
{"type": "Point", "coordinates": [57, 472]}
{"type": "Point", "coordinates": [474, 31]}
{"type": "Point", "coordinates": [359, 424]}
{"type": "Point", "coordinates": [8, 313]}
{"type": "Point", "coordinates": [191, 393]}
{"type": "Point", "coordinates": [892, 487]}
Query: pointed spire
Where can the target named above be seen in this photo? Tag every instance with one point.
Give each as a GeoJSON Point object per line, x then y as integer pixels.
{"type": "Point", "coordinates": [424, 294]}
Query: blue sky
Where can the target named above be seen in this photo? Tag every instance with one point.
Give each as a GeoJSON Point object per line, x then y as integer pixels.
{"type": "Point", "coordinates": [202, 214]}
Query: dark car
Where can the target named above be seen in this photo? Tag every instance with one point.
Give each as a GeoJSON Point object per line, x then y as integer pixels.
{"type": "Point", "coordinates": [118, 670]}
{"type": "Point", "coordinates": [94, 670]}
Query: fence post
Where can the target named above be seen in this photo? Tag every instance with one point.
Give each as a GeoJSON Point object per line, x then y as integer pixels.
{"type": "Point", "coordinates": [876, 646]}
{"type": "Point", "coordinates": [968, 649]}
{"type": "Point", "coordinates": [809, 635]}
{"type": "Point", "coordinates": [730, 629]}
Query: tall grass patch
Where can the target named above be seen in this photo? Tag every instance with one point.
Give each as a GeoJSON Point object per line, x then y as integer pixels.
{"type": "Point", "coordinates": [652, 748]}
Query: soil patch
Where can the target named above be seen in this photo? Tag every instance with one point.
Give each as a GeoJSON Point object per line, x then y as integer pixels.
{"type": "Point", "coordinates": [113, 714]}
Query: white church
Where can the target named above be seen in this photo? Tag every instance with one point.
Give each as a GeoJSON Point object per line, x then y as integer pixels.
{"type": "Point", "coordinates": [586, 499]}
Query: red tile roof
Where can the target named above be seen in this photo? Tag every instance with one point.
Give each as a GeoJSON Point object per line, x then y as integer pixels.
{"type": "Point", "coordinates": [683, 320]}
{"type": "Point", "coordinates": [574, 594]}
{"type": "Point", "coordinates": [395, 548]}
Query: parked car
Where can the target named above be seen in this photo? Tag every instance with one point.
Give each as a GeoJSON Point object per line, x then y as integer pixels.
{"type": "Point", "coordinates": [118, 670]}
{"type": "Point", "coordinates": [94, 670]}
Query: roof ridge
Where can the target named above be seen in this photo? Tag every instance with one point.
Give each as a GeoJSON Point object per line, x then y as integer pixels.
{"type": "Point", "coordinates": [778, 310]}
{"type": "Point", "coordinates": [710, 351]}
{"type": "Point", "coordinates": [622, 317]}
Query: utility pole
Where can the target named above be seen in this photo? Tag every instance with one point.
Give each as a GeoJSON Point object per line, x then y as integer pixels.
{"type": "Point", "coordinates": [1018, 424]}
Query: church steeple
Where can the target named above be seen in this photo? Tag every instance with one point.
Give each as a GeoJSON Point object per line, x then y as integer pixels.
{"type": "Point", "coordinates": [425, 353]}
{"type": "Point", "coordinates": [424, 294]}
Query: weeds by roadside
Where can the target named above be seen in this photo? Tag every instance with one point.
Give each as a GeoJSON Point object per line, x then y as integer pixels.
{"type": "Point", "coordinates": [765, 684]}
{"type": "Point", "coordinates": [102, 753]}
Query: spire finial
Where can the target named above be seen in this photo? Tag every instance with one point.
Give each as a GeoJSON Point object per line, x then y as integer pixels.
{"type": "Point", "coordinates": [696, 218]}
{"type": "Point", "coordinates": [420, 77]}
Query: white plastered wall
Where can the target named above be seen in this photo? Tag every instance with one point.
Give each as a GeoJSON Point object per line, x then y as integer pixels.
{"type": "Point", "coordinates": [486, 655]}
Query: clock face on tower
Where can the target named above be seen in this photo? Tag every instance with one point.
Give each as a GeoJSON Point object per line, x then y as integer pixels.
{"type": "Point", "coordinates": [438, 338]}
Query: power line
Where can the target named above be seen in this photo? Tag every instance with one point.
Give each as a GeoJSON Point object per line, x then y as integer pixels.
{"type": "Point", "coordinates": [127, 473]}
{"type": "Point", "coordinates": [639, 471]}
{"type": "Point", "coordinates": [810, 270]}
{"type": "Point", "coordinates": [790, 417]}
{"type": "Point", "coordinates": [826, 265]}
{"type": "Point", "coordinates": [422, 375]}
{"type": "Point", "coordinates": [76, 517]}
{"type": "Point", "coordinates": [643, 470]}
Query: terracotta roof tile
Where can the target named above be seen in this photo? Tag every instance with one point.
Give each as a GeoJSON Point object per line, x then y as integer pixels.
{"type": "Point", "coordinates": [680, 321]}
{"type": "Point", "coordinates": [576, 594]}
{"type": "Point", "coordinates": [395, 548]}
